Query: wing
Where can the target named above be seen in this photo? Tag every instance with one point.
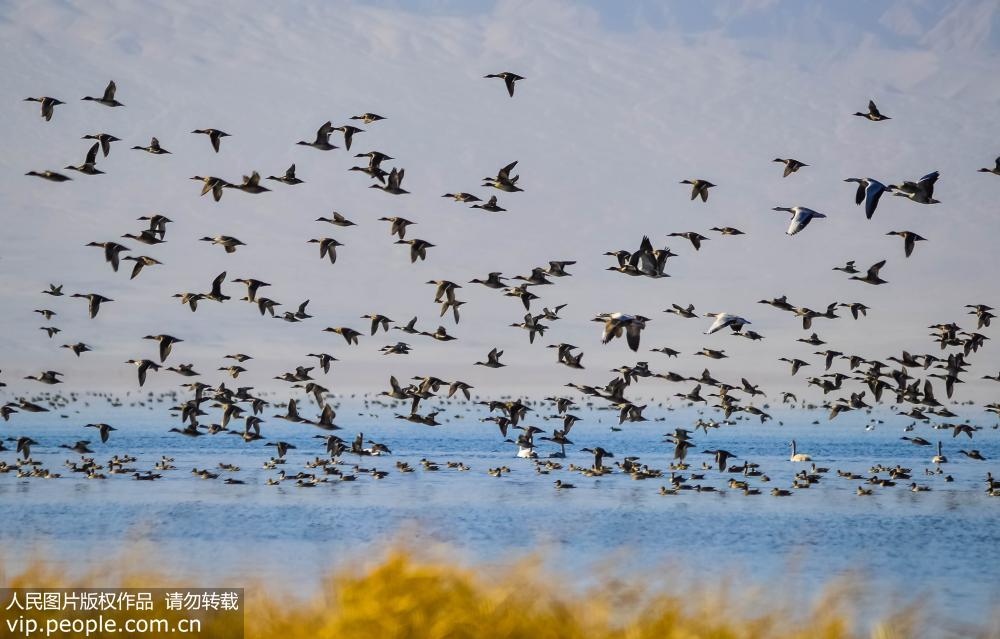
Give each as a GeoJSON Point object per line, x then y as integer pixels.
{"type": "Point", "coordinates": [109, 92]}
{"type": "Point", "coordinates": [92, 154]}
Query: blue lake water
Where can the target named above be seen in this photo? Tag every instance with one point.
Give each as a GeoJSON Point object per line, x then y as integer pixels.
{"type": "Point", "coordinates": [943, 545]}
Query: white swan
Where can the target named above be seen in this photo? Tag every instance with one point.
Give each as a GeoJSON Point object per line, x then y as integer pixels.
{"type": "Point", "coordinates": [799, 457]}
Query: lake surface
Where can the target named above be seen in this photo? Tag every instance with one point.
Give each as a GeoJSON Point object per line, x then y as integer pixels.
{"type": "Point", "coordinates": [943, 545]}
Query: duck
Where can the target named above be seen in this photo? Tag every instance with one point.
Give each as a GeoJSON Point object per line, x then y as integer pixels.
{"type": "Point", "coordinates": [393, 182]}
{"type": "Point", "coordinates": [492, 359]}
{"type": "Point", "coordinates": [143, 366]}
{"type": "Point", "coordinates": [617, 324]}
{"type": "Point", "coordinates": [78, 348]}
{"type": "Point", "coordinates": [141, 261]}
{"type": "Point", "coordinates": [367, 118]}
{"type": "Point", "coordinates": [490, 205]}
{"type": "Point", "coordinates": [872, 275]}
{"type": "Point", "coordinates": [801, 216]}
{"type": "Point", "coordinates": [112, 251]}
{"type": "Point", "coordinates": [250, 184]}
{"type": "Point", "coordinates": [322, 141]}
{"type": "Point", "coordinates": [699, 188]}
{"type": "Point", "coordinates": [327, 248]}
{"type": "Point", "coordinates": [503, 181]}
{"type": "Point", "coordinates": [508, 78]}
{"type": "Point", "coordinates": [695, 238]}
{"type": "Point", "coordinates": [166, 344]}
{"type": "Point", "coordinates": [108, 99]}
{"type": "Point", "coordinates": [791, 165]}
{"type": "Point", "coordinates": [48, 105]}
{"type": "Point", "coordinates": [349, 334]}
{"type": "Point", "coordinates": [211, 183]}
{"type": "Point", "coordinates": [995, 170]}
{"type": "Point", "coordinates": [288, 178]}
{"type": "Point", "coordinates": [418, 248]}
{"type": "Point", "coordinates": [336, 220]}
{"type": "Point", "coordinates": [89, 164]}
{"type": "Point", "coordinates": [909, 240]}
{"type": "Point", "coordinates": [873, 113]}
{"type": "Point", "coordinates": [230, 244]}
{"type": "Point", "coordinates": [94, 301]}
{"type": "Point", "coordinates": [397, 225]}
{"type": "Point", "coordinates": [214, 136]}
{"type": "Point", "coordinates": [51, 176]}
{"type": "Point", "coordinates": [104, 429]}
{"type": "Point", "coordinates": [104, 139]}
{"type": "Point", "coordinates": [154, 148]}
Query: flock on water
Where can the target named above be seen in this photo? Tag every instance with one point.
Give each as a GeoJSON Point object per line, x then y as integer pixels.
{"type": "Point", "coordinates": [919, 384]}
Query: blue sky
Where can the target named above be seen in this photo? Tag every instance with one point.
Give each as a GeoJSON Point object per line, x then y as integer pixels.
{"type": "Point", "coordinates": [617, 108]}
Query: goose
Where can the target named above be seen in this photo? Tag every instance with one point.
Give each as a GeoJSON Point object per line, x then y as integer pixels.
{"type": "Point", "coordinates": [108, 99]}
{"type": "Point", "coordinates": [51, 176]}
{"type": "Point", "coordinates": [801, 216]}
{"type": "Point", "coordinates": [618, 324]}
{"type": "Point", "coordinates": [214, 136]}
{"type": "Point", "coordinates": [327, 247]}
{"type": "Point", "coordinates": [869, 191]}
{"type": "Point", "coordinates": [909, 240]}
{"type": "Point", "coordinates": [791, 165]}
{"type": "Point", "coordinates": [418, 249]}
{"type": "Point", "coordinates": [288, 178]}
{"type": "Point", "coordinates": [211, 183]}
{"type": "Point", "coordinates": [250, 184]}
{"type": "Point", "coordinates": [939, 458]}
{"type": "Point", "coordinates": [166, 343]}
{"type": "Point", "coordinates": [724, 320]}
{"type": "Point", "coordinates": [104, 139]}
{"type": "Point", "coordinates": [872, 276]}
{"type": "Point", "coordinates": [154, 148]}
{"type": "Point", "coordinates": [230, 244]}
{"type": "Point", "coordinates": [322, 141]}
{"type": "Point", "coordinates": [143, 366]}
{"type": "Point", "coordinates": [503, 181]}
{"type": "Point", "coordinates": [393, 183]}
{"type": "Point", "coordinates": [699, 188]}
{"type": "Point", "coordinates": [367, 118]}
{"type": "Point", "coordinates": [873, 113]}
{"type": "Point", "coordinates": [349, 133]}
{"type": "Point", "coordinates": [94, 302]}
{"type": "Point", "coordinates": [398, 225]}
{"type": "Point", "coordinates": [112, 251]}
{"type": "Point", "coordinates": [336, 220]}
{"type": "Point", "coordinates": [48, 105]}
{"type": "Point", "coordinates": [492, 359]}
{"type": "Point", "coordinates": [995, 170]}
{"type": "Point", "coordinates": [89, 164]}
{"type": "Point", "coordinates": [508, 78]}
{"type": "Point", "coordinates": [798, 457]}
{"type": "Point", "coordinates": [922, 191]}
{"type": "Point", "coordinates": [105, 430]}
{"type": "Point", "coordinates": [77, 348]}
{"type": "Point", "coordinates": [491, 206]}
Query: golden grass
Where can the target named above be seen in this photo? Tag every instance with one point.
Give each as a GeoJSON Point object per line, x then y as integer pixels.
{"type": "Point", "coordinates": [404, 595]}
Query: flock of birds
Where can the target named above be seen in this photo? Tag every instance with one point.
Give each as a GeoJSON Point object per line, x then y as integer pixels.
{"type": "Point", "coordinates": [909, 379]}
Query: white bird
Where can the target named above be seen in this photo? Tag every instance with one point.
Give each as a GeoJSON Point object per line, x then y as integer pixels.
{"type": "Point", "coordinates": [798, 457]}
{"type": "Point", "coordinates": [801, 216]}
{"type": "Point", "coordinates": [722, 320]}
